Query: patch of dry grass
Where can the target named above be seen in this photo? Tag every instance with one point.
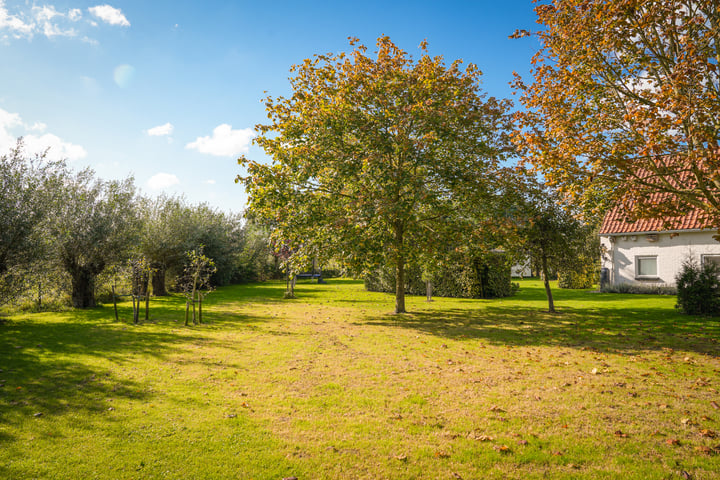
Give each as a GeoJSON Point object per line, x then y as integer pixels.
{"type": "Point", "coordinates": [332, 385]}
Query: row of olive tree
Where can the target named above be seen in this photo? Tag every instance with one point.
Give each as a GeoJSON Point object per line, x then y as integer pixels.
{"type": "Point", "coordinates": [52, 218]}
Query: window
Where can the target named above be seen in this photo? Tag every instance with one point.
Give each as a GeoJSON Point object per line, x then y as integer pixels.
{"type": "Point", "coordinates": [646, 267]}
{"type": "Point", "coordinates": [711, 259]}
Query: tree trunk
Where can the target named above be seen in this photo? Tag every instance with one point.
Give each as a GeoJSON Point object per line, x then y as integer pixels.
{"type": "Point", "coordinates": [83, 288]}
{"type": "Point", "coordinates": [546, 281]}
{"type": "Point", "coordinates": [399, 270]}
{"type": "Point", "coordinates": [115, 303]}
{"type": "Point", "coordinates": [400, 285]}
{"type": "Point", "coordinates": [158, 281]}
{"type": "Point", "coordinates": [428, 290]}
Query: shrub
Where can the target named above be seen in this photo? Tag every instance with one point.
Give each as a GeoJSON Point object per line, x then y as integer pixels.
{"type": "Point", "coordinates": [698, 288]}
{"type": "Point", "coordinates": [575, 279]}
{"type": "Point", "coordinates": [645, 289]}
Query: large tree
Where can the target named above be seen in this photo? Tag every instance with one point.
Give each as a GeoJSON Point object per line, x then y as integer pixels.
{"type": "Point", "coordinates": [373, 154]}
{"type": "Point", "coordinates": [28, 192]}
{"type": "Point", "coordinates": [95, 225]}
{"type": "Point", "coordinates": [165, 236]}
{"type": "Point", "coordinates": [625, 104]}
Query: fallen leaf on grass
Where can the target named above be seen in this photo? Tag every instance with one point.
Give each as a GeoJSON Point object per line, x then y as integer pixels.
{"type": "Point", "coordinates": [522, 442]}
{"type": "Point", "coordinates": [402, 457]}
{"type": "Point", "coordinates": [557, 453]}
{"type": "Point", "coordinates": [456, 475]}
{"type": "Point", "coordinates": [501, 448]}
{"type": "Point", "coordinates": [441, 454]}
{"type": "Point", "coordinates": [673, 441]}
{"type": "Point", "coordinates": [480, 438]}
{"type": "Point", "coordinates": [704, 449]}
{"type": "Point", "coordinates": [686, 475]}
{"type": "Point", "coordinates": [688, 422]}
{"type": "Point", "coordinates": [495, 408]}
{"type": "Point", "coordinates": [707, 433]}
{"type": "Point", "coordinates": [715, 405]}
{"type": "Point", "coordinates": [620, 434]}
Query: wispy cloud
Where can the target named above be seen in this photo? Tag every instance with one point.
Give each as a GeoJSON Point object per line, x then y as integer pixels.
{"type": "Point", "coordinates": [111, 15]}
{"type": "Point", "coordinates": [12, 127]}
{"type": "Point", "coordinates": [224, 142]}
{"type": "Point", "coordinates": [160, 181]}
{"type": "Point", "coordinates": [161, 130]}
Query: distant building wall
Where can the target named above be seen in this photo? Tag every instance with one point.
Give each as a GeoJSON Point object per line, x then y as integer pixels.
{"type": "Point", "coordinates": [630, 258]}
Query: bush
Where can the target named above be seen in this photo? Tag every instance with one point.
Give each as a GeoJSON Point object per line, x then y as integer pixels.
{"type": "Point", "coordinates": [574, 279]}
{"type": "Point", "coordinates": [645, 289]}
{"type": "Point", "coordinates": [698, 288]}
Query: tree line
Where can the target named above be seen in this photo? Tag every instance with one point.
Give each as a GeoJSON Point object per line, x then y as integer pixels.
{"type": "Point", "coordinates": [77, 226]}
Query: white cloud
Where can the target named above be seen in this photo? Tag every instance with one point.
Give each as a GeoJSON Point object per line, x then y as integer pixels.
{"type": "Point", "coordinates": [45, 20]}
{"type": "Point", "coordinates": [224, 142]}
{"type": "Point", "coordinates": [37, 127]}
{"type": "Point", "coordinates": [161, 180]}
{"type": "Point", "coordinates": [17, 26]}
{"type": "Point", "coordinates": [111, 15]}
{"type": "Point", "coordinates": [161, 130]}
{"type": "Point", "coordinates": [58, 148]}
{"type": "Point", "coordinates": [12, 126]}
{"type": "Point", "coordinates": [209, 182]}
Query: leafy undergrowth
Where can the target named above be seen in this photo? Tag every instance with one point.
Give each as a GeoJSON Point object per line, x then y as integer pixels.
{"type": "Point", "coordinates": [331, 385]}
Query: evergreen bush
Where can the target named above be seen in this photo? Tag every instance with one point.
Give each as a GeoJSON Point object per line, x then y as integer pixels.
{"type": "Point", "coordinates": [698, 288]}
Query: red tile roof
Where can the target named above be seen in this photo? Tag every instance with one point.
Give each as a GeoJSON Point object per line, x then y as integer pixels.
{"type": "Point", "coordinates": [616, 221]}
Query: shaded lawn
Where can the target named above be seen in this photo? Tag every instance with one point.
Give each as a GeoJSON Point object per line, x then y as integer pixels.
{"type": "Point", "coordinates": [333, 385]}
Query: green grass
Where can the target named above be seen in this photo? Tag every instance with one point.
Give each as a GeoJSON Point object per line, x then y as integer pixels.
{"type": "Point", "coordinates": [333, 385]}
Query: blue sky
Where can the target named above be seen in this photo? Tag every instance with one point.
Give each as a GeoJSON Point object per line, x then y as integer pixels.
{"type": "Point", "coordinates": [169, 91]}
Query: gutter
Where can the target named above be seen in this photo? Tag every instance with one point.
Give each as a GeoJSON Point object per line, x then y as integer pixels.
{"type": "Point", "coordinates": [689, 230]}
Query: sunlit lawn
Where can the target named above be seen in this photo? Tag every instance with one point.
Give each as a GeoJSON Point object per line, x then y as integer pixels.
{"type": "Point", "coordinates": [332, 385]}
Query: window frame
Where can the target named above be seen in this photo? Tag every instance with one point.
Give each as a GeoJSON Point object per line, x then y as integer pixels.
{"type": "Point", "coordinates": [706, 255]}
{"type": "Point", "coordinates": [638, 275]}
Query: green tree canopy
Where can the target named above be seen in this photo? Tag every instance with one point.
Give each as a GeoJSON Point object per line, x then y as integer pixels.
{"type": "Point", "coordinates": [374, 156]}
{"type": "Point", "coordinates": [95, 225]}
{"type": "Point", "coordinates": [28, 194]}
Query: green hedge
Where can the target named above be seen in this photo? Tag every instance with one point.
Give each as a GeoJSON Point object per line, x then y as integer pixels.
{"type": "Point", "coordinates": [480, 277]}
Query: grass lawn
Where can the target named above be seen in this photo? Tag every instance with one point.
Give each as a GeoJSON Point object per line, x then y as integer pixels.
{"type": "Point", "coordinates": [332, 385]}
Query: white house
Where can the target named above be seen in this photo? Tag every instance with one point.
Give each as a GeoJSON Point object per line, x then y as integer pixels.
{"type": "Point", "coordinates": [645, 252]}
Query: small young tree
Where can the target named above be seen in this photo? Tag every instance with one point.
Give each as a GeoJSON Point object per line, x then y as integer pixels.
{"type": "Point", "coordinates": [196, 282]}
{"type": "Point", "coordinates": [548, 234]}
{"type": "Point", "coordinates": [141, 273]}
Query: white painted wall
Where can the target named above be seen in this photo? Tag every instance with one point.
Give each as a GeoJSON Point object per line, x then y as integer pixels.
{"type": "Point", "coordinates": [620, 255]}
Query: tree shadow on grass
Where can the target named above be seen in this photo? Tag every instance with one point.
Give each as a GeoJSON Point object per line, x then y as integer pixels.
{"type": "Point", "coordinates": [41, 371]}
{"type": "Point", "coordinates": [618, 329]}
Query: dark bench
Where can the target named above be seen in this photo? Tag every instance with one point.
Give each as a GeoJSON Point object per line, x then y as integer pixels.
{"type": "Point", "coordinates": [310, 275]}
